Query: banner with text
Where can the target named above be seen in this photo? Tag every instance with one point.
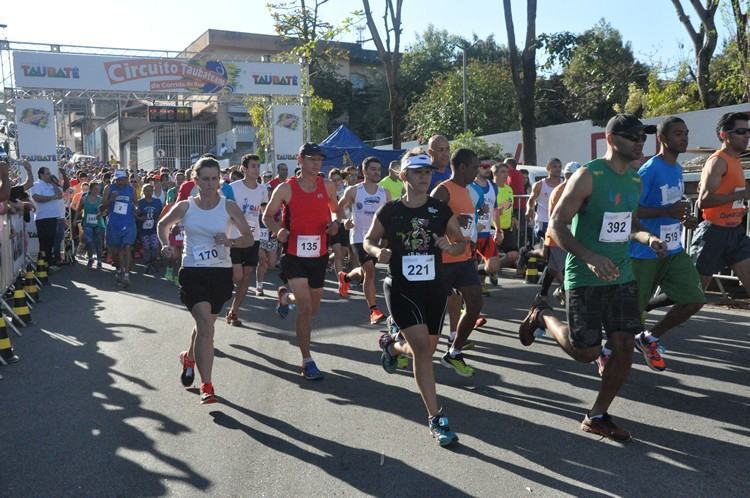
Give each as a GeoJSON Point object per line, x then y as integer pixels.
{"type": "Point", "coordinates": [163, 75]}
{"type": "Point", "coordinates": [37, 138]}
{"type": "Point", "coordinates": [287, 134]}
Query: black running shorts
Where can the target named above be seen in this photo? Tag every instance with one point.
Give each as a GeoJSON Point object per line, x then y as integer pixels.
{"type": "Point", "coordinates": [313, 269]}
{"type": "Point", "coordinates": [363, 255]}
{"type": "Point", "coordinates": [211, 285]}
{"type": "Point", "coordinates": [245, 256]}
{"type": "Point", "coordinates": [413, 306]}
{"type": "Point", "coordinates": [612, 307]}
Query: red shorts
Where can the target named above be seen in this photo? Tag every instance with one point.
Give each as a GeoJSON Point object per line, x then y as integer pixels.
{"type": "Point", "coordinates": [486, 248]}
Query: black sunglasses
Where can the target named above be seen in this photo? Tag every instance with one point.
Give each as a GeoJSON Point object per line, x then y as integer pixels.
{"type": "Point", "coordinates": [633, 137]}
{"type": "Point", "coordinates": [739, 131]}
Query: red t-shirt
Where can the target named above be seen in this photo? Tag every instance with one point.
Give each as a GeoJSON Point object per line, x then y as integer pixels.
{"type": "Point", "coordinates": [517, 183]}
{"type": "Point", "coordinates": [275, 183]}
{"type": "Point", "coordinates": [185, 189]}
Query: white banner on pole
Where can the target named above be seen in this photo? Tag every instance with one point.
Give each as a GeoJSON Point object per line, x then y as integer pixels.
{"type": "Point", "coordinates": [37, 136]}
{"type": "Point", "coordinates": [287, 134]}
{"type": "Point", "coordinates": [165, 75]}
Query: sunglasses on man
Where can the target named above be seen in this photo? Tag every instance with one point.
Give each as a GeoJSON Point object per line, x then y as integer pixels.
{"type": "Point", "coordinates": [739, 131]}
{"type": "Point", "coordinates": [633, 137]}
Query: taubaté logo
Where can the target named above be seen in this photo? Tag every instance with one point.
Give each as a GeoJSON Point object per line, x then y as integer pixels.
{"type": "Point", "coordinates": [276, 79]}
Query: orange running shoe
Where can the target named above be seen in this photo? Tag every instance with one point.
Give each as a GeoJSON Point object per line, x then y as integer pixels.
{"type": "Point", "coordinates": [343, 285]}
{"type": "Point", "coordinates": [650, 351]}
{"type": "Point", "coordinates": [207, 394]}
{"type": "Point", "coordinates": [376, 316]}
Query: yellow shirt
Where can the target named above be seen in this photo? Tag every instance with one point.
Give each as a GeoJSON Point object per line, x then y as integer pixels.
{"type": "Point", "coordinates": [394, 187]}
{"type": "Point", "coordinates": [505, 194]}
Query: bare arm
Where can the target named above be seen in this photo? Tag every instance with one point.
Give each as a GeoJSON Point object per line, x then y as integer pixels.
{"type": "Point", "coordinates": [372, 242]}
{"type": "Point", "coordinates": [533, 198]}
{"type": "Point", "coordinates": [29, 176]}
{"type": "Point", "coordinates": [173, 217]}
{"type": "Point", "coordinates": [441, 193]}
{"type": "Point", "coordinates": [714, 169]}
{"type": "Point", "coordinates": [246, 235]}
{"type": "Point", "coordinates": [333, 203]}
{"type": "Point", "coordinates": [282, 194]}
{"type": "Point", "coordinates": [453, 231]}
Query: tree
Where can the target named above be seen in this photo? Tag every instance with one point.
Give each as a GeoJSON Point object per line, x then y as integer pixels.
{"type": "Point", "coordinates": [491, 103]}
{"type": "Point", "coordinates": [523, 72]}
{"type": "Point", "coordinates": [599, 71]}
{"type": "Point", "coordinates": [742, 39]}
{"type": "Point", "coordinates": [704, 43]}
{"type": "Point", "coordinates": [432, 54]}
{"type": "Point", "coordinates": [729, 80]}
{"type": "Point", "coordinates": [479, 145]}
{"type": "Point", "coordinates": [391, 60]}
{"type": "Point", "coordinates": [663, 97]}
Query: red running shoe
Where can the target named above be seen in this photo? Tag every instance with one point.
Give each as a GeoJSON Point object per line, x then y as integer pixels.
{"type": "Point", "coordinates": [376, 316]}
{"type": "Point", "coordinates": [343, 285]}
{"type": "Point", "coordinates": [207, 394]}
{"type": "Point", "coordinates": [188, 370]}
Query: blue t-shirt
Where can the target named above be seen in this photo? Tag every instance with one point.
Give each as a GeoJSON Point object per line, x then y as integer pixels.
{"type": "Point", "coordinates": [121, 206]}
{"type": "Point", "coordinates": [151, 209]}
{"type": "Point", "coordinates": [661, 186]}
{"type": "Point", "coordinates": [438, 177]}
{"type": "Point", "coordinates": [226, 189]}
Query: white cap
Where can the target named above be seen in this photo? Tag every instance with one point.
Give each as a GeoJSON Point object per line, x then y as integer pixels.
{"type": "Point", "coordinates": [571, 168]}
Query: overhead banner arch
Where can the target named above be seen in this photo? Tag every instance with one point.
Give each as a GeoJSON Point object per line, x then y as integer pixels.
{"type": "Point", "coordinates": [60, 71]}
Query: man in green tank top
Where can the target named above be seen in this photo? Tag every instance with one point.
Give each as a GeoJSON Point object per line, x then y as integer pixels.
{"type": "Point", "coordinates": [600, 203]}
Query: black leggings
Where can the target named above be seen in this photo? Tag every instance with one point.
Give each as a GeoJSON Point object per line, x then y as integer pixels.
{"type": "Point", "coordinates": [46, 231]}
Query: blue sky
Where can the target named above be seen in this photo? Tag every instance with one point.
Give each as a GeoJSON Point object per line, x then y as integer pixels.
{"type": "Point", "coordinates": [651, 26]}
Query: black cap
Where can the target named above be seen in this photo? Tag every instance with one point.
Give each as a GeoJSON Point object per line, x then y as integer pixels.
{"type": "Point", "coordinates": [311, 149]}
{"type": "Point", "coordinates": [628, 123]}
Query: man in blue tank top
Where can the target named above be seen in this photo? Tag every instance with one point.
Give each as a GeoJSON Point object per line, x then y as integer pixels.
{"type": "Point", "coordinates": [119, 202]}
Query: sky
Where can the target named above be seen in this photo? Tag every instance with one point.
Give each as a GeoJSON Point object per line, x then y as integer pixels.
{"type": "Point", "coordinates": [651, 26]}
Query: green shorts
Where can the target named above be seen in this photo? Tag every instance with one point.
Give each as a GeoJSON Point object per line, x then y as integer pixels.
{"type": "Point", "coordinates": [675, 274]}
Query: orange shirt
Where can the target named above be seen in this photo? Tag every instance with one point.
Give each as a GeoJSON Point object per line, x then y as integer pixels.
{"type": "Point", "coordinates": [731, 213]}
{"type": "Point", "coordinates": [460, 203]}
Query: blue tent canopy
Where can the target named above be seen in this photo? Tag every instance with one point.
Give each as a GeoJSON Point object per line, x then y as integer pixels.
{"type": "Point", "coordinates": [344, 142]}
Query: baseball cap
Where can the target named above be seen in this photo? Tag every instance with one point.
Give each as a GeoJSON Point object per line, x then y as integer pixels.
{"type": "Point", "coordinates": [571, 168]}
{"type": "Point", "coordinates": [628, 123]}
{"type": "Point", "coordinates": [267, 172]}
{"type": "Point", "coordinates": [418, 161]}
{"type": "Point", "coordinates": [120, 174]}
{"type": "Point", "coordinates": [311, 149]}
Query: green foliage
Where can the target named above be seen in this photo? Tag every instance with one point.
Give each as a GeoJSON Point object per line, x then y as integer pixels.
{"type": "Point", "coordinates": [433, 53]}
{"type": "Point", "coordinates": [727, 76]}
{"type": "Point", "coordinates": [491, 103]}
{"type": "Point", "coordinates": [663, 97]}
{"type": "Point", "coordinates": [479, 145]}
{"type": "Point", "coordinates": [599, 72]}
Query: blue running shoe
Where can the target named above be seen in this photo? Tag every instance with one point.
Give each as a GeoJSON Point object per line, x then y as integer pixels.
{"type": "Point", "coordinates": [310, 371]}
{"type": "Point", "coordinates": [389, 363]}
{"type": "Point", "coordinates": [441, 431]}
{"type": "Point", "coordinates": [282, 309]}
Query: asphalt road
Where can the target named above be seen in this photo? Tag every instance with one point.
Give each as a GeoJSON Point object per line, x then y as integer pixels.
{"type": "Point", "coordinates": [95, 407]}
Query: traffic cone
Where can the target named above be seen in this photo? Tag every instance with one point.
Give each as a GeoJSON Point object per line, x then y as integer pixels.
{"type": "Point", "coordinates": [6, 349]}
{"type": "Point", "coordinates": [20, 306]}
{"type": "Point", "coordinates": [30, 286]}
{"type": "Point", "coordinates": [532, 273]}
{"type": "Point", "coordinates": [41, 269]}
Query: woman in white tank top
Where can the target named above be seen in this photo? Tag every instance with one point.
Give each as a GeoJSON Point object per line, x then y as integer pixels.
{"type": "Point", "coordinates": [206, 274]}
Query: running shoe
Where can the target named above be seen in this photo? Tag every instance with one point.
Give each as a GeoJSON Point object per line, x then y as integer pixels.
{"type": "Point", "coordinates": [650, 352]}
{"type": "Point", "coordinates": [187, 377]}
{"type": "Point", "coordinates": [207, 394]}
{"type": "Point", "coordinates": [282, 308]}
{"type": "Point", "coordinates": [393, 329]}
{"type": "Point", "coordinates": [376, 316]}
{"type": "Point", "coordinates": [343, 285]}
{"type": "Point", "coordinates": [480, 322]}
{"type": "Point", "coordinates": [441, 431]}
{"type": "Point", "coordinates": [310, 371]}
{"type": "Point", "coordinates": [559, 295]}
{"type": "Point", "coordinates": [168, 274]}
{"type": "Point", "coordinates": [98, 264]}
{"type": "Point", "coordinates": [259, 292]}
{"type": "Point", "coordinates": [233, 320]}
{"type": "Point", "coordinates": [458, 364]}
{"type": "Point", "coordinates": [532, 321]}
{"type": "Point", "coordinates": [605, 427]}
{"type": "Point", "coordinates": [601, 362]}
{"type": "Point", "coordinates": [389, 363]}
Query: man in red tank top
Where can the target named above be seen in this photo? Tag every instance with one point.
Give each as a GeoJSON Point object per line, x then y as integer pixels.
{"type": "Point", "coordinates": [721, 240]}
{"type": "Point", "coordinates": [309, 201]}
{"type": "Point", "coordinates": [460, 272]}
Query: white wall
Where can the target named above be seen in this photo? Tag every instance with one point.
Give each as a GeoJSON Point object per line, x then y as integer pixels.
{"type": "Point", "coordinates": [146, 150]}
{"type": "Point", "coordinates": [582, 141]}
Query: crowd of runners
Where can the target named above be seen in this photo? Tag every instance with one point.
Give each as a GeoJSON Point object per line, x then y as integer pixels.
{"type": "Point", "coordinates": [444, 224]}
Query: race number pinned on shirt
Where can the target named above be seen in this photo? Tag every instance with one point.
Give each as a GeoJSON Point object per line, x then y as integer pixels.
{"type": "Point", "coordinates": [180, 236]}
{"type": "Point", "coordinates": [483, 223]}
{"type": "Point", "coordinates": [467, 225]}
{"type": "Point", "coordinates": [121, 207]}
{"type": "Point", "coordinates": [615, 227]}
{"type": "Point", "coordinates": [418, 267]}
{"type": "Point", "coordinates": [207, 255]}
{"type": "Point", "coordinates": [671, 235]}
{"type": "Point", "coordinates": [148, 224]}
{"type": "Point", "coordinates": [308, 246]}
{"type": "Point", "coordinates": [263, 234]}
{"type": "Point", "coordinates": [739, 203]}
{"type": "Point", "coordinates": [91, 219]}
